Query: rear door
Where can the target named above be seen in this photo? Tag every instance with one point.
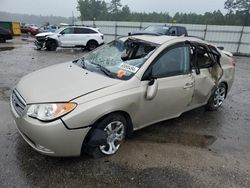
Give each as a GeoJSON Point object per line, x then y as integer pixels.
{"type": "Point", "coordinates": [83, 35]}
{"type": "Point", "coordinates": [206, 70]}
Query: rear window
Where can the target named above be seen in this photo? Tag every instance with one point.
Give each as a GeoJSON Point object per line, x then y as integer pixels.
{"type": "Point", "coordinates": [84, 31]}
{"type": "Point", "coordinates": [182, 31]}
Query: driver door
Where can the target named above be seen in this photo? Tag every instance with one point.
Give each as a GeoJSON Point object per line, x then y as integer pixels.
{"type": "Point", "coordinates": [171, 71]}
{"type": "Point", "coordinates": [66, 37]}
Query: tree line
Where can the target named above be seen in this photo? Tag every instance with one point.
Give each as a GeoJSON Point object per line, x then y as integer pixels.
{"type": "Point", "coordinates": [36, 19]}
{"type": "Point", "coordinates": [238, 13]}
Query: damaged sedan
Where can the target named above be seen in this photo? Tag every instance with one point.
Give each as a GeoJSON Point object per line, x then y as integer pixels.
{"type": "Point", "coordinates": [92, 104]}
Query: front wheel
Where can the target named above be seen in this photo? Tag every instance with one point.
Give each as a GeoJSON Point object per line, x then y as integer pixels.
{"type": "Point", "coordinates": [114, 127]}
{"type": "Point", "coordinates": [51, 45]}
{"type": "Point", "coordinates": [217, 98]}
{"type": "Point", "coordinates": [2, 40]}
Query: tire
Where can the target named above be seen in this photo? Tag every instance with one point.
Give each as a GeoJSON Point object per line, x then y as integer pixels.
{"type": "Point", "coordinates": [114, 125]}
{"type": "Point", "coordinates": [51, 45]}
{"type": "Point", "coordinates": [91, 45]}
{"type": "Point", "coordinates": [217, 98]}
{"type": "Point", "coordinates": [38, 48]}
{"type": "Point", "coordinates": [2, 40]}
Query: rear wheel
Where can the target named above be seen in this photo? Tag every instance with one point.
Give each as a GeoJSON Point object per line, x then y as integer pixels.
{"type": "Point", "coordinates": [91, 45]}
{"type": "Point", "coordinates": [217, 98]}
{"type": "Point", "coordinates": [114, 127]}
{"type": "Point", "coordinates": [51, 45]}
{"type": "Point", "coordinates": [2, 39]}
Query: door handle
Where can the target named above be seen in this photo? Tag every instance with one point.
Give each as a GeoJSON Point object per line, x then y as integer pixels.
{"type": "Point", "coordinates": [188, 85]}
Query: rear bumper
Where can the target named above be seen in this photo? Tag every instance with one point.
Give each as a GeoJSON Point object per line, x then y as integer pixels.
{"type": "Point", "coordinates": [6, 37]}
{"type": "Point", "coordinates": [9, 37]}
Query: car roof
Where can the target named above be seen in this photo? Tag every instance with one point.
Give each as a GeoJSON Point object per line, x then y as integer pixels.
{"type": "Point", "coordinates": [165, 25]}
{"type": "Point", "coordinates": [79, 26]}
{"type": "Point", "coordinates": [162, 39]}
{"type": "Point", "coordinates": [85, 27]}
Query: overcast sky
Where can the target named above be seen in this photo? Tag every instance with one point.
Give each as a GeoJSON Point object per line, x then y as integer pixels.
{"type": "Point", "coordinates": [65, 7]}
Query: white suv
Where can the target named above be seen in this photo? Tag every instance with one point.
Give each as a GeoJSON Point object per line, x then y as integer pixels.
{"type": "Point", "coordinates": [74, 36]}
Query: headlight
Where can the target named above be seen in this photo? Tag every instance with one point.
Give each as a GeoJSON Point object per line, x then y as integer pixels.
{"type": "Point", "coordinates": [48, 112]}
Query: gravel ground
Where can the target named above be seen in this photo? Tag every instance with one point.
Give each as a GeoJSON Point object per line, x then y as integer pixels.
{"type": "Point", "coordinates": [198, 149]}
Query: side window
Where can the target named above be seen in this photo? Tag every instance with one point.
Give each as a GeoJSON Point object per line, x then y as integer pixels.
{"type": "Point", "coordinates": [173, 62]}
{"type": "Point", "coordinates": [80, 31]}
{"type": "Point", "coordinates": [173, 31]}
{"type": "Point", "coordinates": [182, 31]}
{"type": "Point", "coordinates": [91, 31]}
{"type": "Point", "coordinates": [68, 31]}
{"type": "Point", "coordinates": [203, 58]}
{"type": "Point", "coordinates": [84, 31]}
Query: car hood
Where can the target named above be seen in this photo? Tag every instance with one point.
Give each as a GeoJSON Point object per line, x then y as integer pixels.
{"type": "Point", "coordinates": [44, 34]}
{"type": "Point", "coordinates": [61, 83]}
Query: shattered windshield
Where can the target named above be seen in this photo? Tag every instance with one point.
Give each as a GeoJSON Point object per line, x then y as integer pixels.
{"type": "Point", "coordinates": [118, 59]}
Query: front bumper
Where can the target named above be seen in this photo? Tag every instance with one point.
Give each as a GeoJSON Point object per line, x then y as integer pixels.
{"type": "Point", "coordinates": [9, 37]}
{"type": "Point", "coordinates": [51, 138]}
{"type": "Point", "coordinates": [39, 44]}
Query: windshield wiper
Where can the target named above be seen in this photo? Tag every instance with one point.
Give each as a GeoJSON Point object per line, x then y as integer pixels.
{"type": "Point", "coordinates": [83, 63]}
{"type": "Point", "coordinates": [104, 70]}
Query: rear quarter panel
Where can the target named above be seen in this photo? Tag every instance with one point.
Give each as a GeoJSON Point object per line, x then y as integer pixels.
{"type": "Point", "coordinates": [228, 70]}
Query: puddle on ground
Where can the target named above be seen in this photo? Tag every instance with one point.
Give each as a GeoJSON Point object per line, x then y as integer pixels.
{"type": "Point", "coordinates": [188, 139]}
{"type": "Point", "coordinates": [6, 48]}
{"type": "Point", "coordinates": [5, 93]}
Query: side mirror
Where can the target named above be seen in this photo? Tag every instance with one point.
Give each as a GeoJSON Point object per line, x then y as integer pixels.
{"type": "Point", "coordinates": [152, 89]}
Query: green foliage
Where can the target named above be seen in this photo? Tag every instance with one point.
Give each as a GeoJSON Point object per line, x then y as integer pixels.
{"type": "Point", "coordinates": [237, 5]}
{"type": "Point", "coordinates": [100, 10]}
{"type": "Point", "coordinates": [92, 9]}
{"type": "Point", "coordinates": [115, 6]}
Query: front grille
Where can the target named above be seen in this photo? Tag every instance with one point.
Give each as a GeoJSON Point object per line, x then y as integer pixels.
{"type": "Point", "coordinates": [18, 102]}
{"type": "Point", "coordinates": [40, 39]}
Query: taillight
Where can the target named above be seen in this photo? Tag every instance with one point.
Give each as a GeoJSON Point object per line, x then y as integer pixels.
{"type": "Point", "coordinates": [102, 37]}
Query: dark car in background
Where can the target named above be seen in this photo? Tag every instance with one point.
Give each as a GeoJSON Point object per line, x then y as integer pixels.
{"type": "Point", "coordinates": [162, 30]}
{"type": "Point", "coordinates": [5, 34]}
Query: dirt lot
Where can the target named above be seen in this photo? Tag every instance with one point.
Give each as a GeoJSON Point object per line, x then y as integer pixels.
{"type": "Point", "coordinates": [198, 149]}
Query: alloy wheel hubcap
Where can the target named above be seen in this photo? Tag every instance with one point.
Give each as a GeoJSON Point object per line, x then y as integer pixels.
{"type": "Point", "coordinates": [92, 46]}
{"type": "Point", "coordinates": [219, 96]}
{"type": "Point", "coordinates": [116, 132]}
